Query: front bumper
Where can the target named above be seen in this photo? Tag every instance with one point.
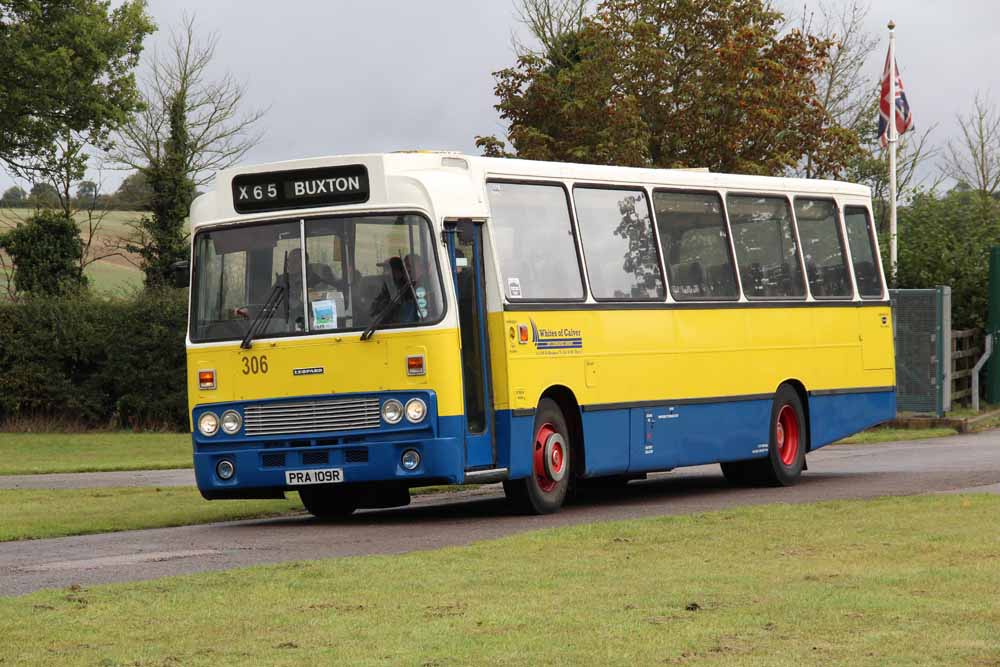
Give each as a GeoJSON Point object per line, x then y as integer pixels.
{"type": "Point", "coordinates": [368, 456]}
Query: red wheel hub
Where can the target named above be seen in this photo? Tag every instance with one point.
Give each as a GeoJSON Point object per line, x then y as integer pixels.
{"type": "Point", "coordinates": [549, 457]}
{"type": "Point", "coordinates": [787, 435]}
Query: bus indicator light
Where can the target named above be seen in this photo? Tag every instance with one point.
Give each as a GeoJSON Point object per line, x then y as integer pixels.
{"type": "Point", "coordinates": [206, 379]}
{"type": "Point", "coordinates": [522, 333]}
{"type": "Point", "coordinates": [415, 365]}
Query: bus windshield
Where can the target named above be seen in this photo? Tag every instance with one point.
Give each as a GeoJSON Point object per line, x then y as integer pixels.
{"type": "Point", "coordinates": [352, 272]}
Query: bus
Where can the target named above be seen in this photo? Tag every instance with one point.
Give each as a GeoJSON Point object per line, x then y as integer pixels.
{"type": "Point", "coordinates": [363, 325]}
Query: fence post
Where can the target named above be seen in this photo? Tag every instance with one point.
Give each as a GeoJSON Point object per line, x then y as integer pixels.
{"type": "Point", "coordinates": [988, 345]}
{"type": "Point", "coordinates": [946, 399]}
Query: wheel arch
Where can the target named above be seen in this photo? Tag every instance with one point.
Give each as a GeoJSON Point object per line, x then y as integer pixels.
{"type": "Point", "coordinates": [800, 389]}
{"type": "Point", "coordinates": [566, 400]}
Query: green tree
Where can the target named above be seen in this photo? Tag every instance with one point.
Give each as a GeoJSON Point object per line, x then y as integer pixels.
{"type": "Point", "coordinates": [46, 252]}
{"type": "Point", "coordinates": [67, 71]}
{"type": "Point", "coordinates": [14, 196]}
{"type": "Point", "coordinates": [946, 240]}
{"type": "Point", "coordinates": [44, 195]}
{"type": "Point", "coordinates": [161, 239]}
{"type": "Point", "coordinates": [675, 83]}
{"type": "Point", "coordinates": [134, 192]}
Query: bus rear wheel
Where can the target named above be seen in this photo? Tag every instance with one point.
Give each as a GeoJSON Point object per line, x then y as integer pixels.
{"type": "Point", "coordinates": [786, 452]}
{"type": "Point", "coordinates": [544, 490]}
{"type": "Point", "coordinates": [329, 502]}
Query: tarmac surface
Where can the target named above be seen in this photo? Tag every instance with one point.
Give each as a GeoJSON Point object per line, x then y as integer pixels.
{"type": "Point", "coordinates": [963, 463]}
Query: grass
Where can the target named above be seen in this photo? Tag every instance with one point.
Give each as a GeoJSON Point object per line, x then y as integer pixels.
{"type": "Point", "coordinates": [42, 513]}
{"type": "Point", "coordinates": [901, 581]}
{"type": "Point", "coordinates": [36, 453]}
{"type": "Point", "coordinates": [113, 276]}
{"type": "Point", "coordinates": [877, 435]}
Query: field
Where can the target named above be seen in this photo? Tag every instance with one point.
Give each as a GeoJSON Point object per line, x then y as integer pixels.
{"type": "Point", "coordinates": [37, 453]}
{"type": "Point", "coordinates": [900, 581]}
{"type": "Point", "coordinates": [31, 514]}
{"type": "Point", "coordinates": [111, 276]}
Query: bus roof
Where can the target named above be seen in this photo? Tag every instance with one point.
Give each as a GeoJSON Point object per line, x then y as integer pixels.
{"type": "Point", "coordinates": [392, 176]}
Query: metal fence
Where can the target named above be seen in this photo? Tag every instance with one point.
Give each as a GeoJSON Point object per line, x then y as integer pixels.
{"type": "Point", "coordinates": [922, 328]}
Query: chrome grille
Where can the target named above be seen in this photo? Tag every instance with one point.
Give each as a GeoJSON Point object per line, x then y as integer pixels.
{"type": "Point", "coordinates": [311, 416]}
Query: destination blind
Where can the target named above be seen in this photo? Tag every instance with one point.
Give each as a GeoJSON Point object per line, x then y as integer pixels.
{"type": "Point", "coordinates": [325, 186]}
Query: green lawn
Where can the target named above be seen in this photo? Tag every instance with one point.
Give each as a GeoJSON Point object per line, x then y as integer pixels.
{"type": "Point", "coordinates": [110, 277]}
{"type": "Point", "coordinates": [901, 581]}
{"type": "Point", "coordinates": [40, 513]}
{"type": "Point", "coordinates": [877, 435]}
{"type": "Point", "coordinates": [33, 453]}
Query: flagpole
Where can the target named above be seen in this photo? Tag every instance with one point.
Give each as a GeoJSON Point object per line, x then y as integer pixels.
{"type": "Point", "coordinates": [893, 136]}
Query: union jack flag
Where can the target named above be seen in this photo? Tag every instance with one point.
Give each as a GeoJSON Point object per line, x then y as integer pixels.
{"type": "Point", "coordinates": [904, 119]}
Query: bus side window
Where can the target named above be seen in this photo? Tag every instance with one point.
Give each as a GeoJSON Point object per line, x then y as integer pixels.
{"type": "Point", "coordinates": [764, 238]}
{"type": "Point", "coordinates": [535, 244]}
{"type": "Point", "coordinates": [616, 232]}
{"type": "Point", "coordinates": [695, 245]}
{"type": "Point", "coordinates": [823, 248]}
{"type": "Point", "coordinates": [861, 240]}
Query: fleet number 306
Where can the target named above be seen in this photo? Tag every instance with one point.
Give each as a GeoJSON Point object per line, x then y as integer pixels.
{"type": "Point", "coordinates": [253, 365]}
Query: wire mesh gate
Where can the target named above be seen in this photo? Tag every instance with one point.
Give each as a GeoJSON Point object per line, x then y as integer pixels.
{"type": "Point", "coordinates": [922, 328]}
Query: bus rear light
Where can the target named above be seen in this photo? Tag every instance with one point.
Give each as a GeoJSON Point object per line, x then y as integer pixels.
{"type": "Point", "coordinates": [206, 379]}
{"type": "Point", "coordinates": [522, 333]}
{"type": "Point", "coordinates": [415, 365]}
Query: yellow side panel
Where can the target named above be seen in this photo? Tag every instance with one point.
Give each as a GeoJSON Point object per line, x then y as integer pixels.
{"type": "Point", "coordinates": [348, 364]}
{"type": "Point", "coordinates": [876, 338]}
{"type": "Point", "coordinates": [624, 356]}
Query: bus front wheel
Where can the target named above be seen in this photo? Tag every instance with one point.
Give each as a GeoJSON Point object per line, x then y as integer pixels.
{"type": "Point", "coordinates": [544, 490]}
{"type": "Point", "coordinates": [329, 502]}
{"type": "Point", "coordinates": [786, 455]}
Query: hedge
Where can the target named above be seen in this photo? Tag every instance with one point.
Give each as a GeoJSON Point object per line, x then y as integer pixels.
{"type": "Point", "coordinates": [96, 362]}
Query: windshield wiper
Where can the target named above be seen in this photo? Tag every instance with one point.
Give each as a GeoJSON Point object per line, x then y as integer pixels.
{"type": "Point", "coordinates": [274, 300]}
{"type": "Point", "coordinates": [370, 331]}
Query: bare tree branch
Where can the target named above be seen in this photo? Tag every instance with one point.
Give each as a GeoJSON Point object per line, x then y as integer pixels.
{"type": "Point", "coordinates": [549, 21]}
{"type": "Point", "coordinates": [221, 130]}
{"type": "Point", "coordinates": [973, 158]}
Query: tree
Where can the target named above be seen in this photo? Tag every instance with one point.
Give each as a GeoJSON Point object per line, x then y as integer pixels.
{"type": "Point", "coordinates": [711, 83]}
{"type": "Point", "coordinates": [87, 192]}
{"type": "Point", "coordinates": [44, 195]}
{"type": "Point", "coordinates": [160, 238]}
{"type": "Point", "coordinates": [946, 240]}
{"type": "Point", "coordinates": [67, 71]}
{"type": "Point", "coordinates": [46, 253]}
{"type": "Point", "coordinates": [845, 94]}
{"type": "Point", "coordinates": [14, 196]}
{"type": "Point", "coordinates": [974, 158]}
{"type": "Point", "coordinates": [134, 192]}
{"type": "Point", "coordinates": [220, 131]}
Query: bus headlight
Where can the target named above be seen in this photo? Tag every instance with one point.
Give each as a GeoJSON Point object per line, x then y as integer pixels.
{"type": "Point", "coordinates": [208, 424]}
{"type": "Point", "coordinates": [231, 422]}
{"type": "Point", "coordinates": [416, 410]}
{"type": "Point", "coordinates": [392, 411]}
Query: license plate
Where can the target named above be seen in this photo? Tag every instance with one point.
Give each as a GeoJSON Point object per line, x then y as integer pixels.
{"type": "Point", "coordinates": [321, 476]}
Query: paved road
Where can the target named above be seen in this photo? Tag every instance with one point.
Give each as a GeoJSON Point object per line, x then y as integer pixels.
{"type": "Point", "coordinates": [968, 462]}
{"type": "Point", "coordinates": [91, 480]}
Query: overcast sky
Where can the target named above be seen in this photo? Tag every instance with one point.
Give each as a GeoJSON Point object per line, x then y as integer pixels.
{"type": "Point", "coordinates": [345, 76]}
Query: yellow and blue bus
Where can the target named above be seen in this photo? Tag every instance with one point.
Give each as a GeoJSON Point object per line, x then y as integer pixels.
{"type": "Point", "coordinates": [367, 324]}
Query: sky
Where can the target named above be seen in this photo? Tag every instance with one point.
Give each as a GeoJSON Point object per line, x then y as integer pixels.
{"type": "Point", "coordinates": [350, 76]}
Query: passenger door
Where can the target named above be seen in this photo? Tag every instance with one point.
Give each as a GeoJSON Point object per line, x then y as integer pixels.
{"type": "Point", "coordinates": [465, 249]}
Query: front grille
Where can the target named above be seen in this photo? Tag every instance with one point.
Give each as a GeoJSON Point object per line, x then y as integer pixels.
{"type": "Point", "coordinates": [273, 460]}
{"type": "Point", "coordinates": [356, 455]}
{"type": "Point", "coordinates": [311, 416]}
{"type": "Point", "coordinates": [315, 458]}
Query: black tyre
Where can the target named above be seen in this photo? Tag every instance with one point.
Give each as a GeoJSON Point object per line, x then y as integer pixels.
{"type": "Point", "coordinates": [329, 502]}
{"type": "Point", "coordinates": [544, 490]}
{"type": "Point", "coordinates": [786, 453]}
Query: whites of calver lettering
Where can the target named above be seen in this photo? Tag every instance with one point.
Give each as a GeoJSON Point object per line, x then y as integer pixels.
{"type": "Point", "coordinates": [321, 186]}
